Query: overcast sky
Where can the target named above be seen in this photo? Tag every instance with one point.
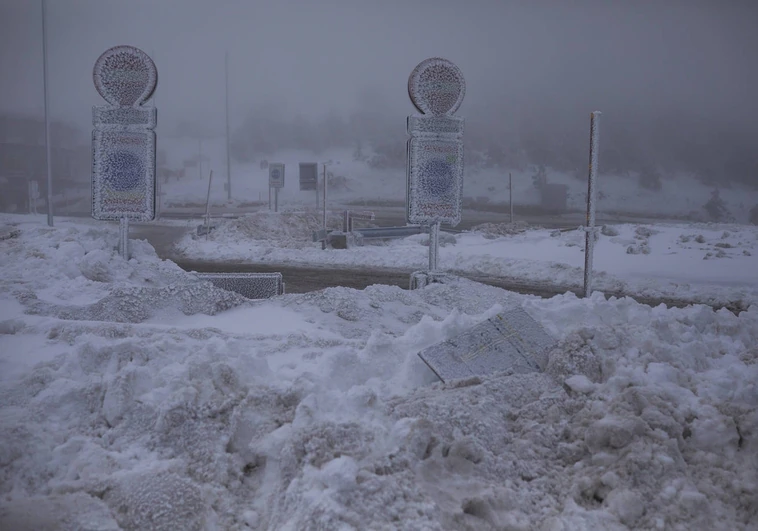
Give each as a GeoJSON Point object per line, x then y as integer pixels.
{"type": "Point", "coordinates": [315, 56]}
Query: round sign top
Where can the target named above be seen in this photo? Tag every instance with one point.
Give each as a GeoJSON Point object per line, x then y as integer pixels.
{"type": "Point", "coordinates": [436, 86]}
{"type": "Point", "coordinates": [125, 76]}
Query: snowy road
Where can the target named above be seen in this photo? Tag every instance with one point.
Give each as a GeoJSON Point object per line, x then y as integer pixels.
{"type": "Point", "coordinates": [303, 278]}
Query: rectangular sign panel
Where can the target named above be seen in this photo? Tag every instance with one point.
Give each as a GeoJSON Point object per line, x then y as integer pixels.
{"type": "Point", "coordinates": [435, 180]}
{"type": "Point", "coordinates": [308, 176]}
{"type": "Point", "coordinates": [123, 175]}
{"type": "Point", "coordinates": [510, 341]}
{"type": "Point", "coordinates": [276, 175]}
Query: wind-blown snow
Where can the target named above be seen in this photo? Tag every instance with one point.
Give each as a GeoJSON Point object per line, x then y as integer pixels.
{"type": "Point", "coordinates": [314, 412]}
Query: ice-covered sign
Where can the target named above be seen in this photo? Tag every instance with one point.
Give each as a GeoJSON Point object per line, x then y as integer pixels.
{"type": "Point", "coordinates": [435, 150]}
{"type": "Point", "coordinates": [123, 142]}
{"type": "Point", "coordinates": [308, 176]}
{"type": "Point", "coordinates": [511, 341]}
{"type": "Point", "coordinates": [276, 175]}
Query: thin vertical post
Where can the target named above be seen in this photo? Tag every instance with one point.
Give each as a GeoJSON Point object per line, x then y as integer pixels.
{"type": "Point", "coordinates": [123, 238]}
{"type": "Point", "coordinates": [208, 206]}
{"type": "Point", "coordinates": [200, 158]}
{"type": "Point", "coordinates": [325, 196]}
{"type": "Point", "coordinates": [269, 198]}
{"type": "Point", "coordinates": [228, 157]}
{"type": "Point", "coordinates": [434, 244]}
{"type": "Point", "coordinates": [47, 118]}
{"type": "Point", "coordinates": [589, 244]}
{"type": "Point", "coordinates": [510, 194]}
{"type": "Point", "coordinates": [276, 199]}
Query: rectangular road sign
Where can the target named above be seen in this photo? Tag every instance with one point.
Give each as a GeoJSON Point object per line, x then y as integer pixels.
{"type": "Point", "coordinates": [276, 175]}
{"type": "Point", "coordinates": [308, 176]}
{"type": "Point", "coordinates": [123, 175]}
{"type": "Point", "coordinates": [435, 180]}
{"type": "Point", "coordinates": [510, 341]}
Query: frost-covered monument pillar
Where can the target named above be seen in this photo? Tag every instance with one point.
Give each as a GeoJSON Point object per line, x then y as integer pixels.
{"type": "Point", "coordinates": [123, 141]}
{"type": "Point", "coordinates": [435, 154]}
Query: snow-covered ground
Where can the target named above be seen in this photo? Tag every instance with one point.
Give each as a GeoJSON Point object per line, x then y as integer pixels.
{"type": "Point", "coordinates": [134, 397]}
{"type": "Point", "coordinates": [681, 196]}
{"type": "Point", "coordinates": [709, 263]}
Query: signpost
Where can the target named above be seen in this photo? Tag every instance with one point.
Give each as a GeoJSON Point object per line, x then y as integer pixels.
{"type": "Point", "coordinates": [275, 181]}
{"type": "Point", "coordinates": [435, 150]}
{"type": "Point", "coordinates": [123, 141]}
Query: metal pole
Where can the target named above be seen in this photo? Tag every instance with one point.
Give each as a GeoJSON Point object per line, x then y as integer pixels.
{"type": "Point", "coordinates": [434, 240]}
{"type": "Point", "coordinates": [276, 199]}
{"type": "Point", "coordinates": [228, 158]}
{"type": "Point", "coordinates": [208, 206]}
{"type": "Point", "coordinates": [200, 158]}
{"type": "Point", "coordinates": [510, 193]}
{"type": "Point", "coordinates": [123, 238]}
{"type": "Point", "coordinates": [47, 119]}
{"type": "Point", "coordinates": [589, 243]}
{"type": "Point", "coordinates": [269, 198]}
{"type": "Point", "coordinates": [324, 196]}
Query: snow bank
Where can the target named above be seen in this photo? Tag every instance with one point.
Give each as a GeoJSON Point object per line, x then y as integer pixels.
{"type": "Point", "coordinates": [313, 411]}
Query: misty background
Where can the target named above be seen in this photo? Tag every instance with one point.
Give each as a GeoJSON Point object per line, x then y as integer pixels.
{"type": "Point", "coordinates": [676, 80]}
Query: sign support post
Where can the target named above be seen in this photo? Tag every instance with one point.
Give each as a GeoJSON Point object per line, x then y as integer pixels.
{"type": "Point", "coordinates": [275, 181]}
{"type": "Point", "coordinates": [590, 229]}
{"type": "Point", "coordinates": [123, 237]}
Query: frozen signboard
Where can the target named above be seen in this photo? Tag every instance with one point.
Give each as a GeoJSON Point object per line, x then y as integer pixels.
{"type": "Point", "coordinates": [123, 142]}
{"type": "Point", "coordinates": [276, 175]}
{"type": "Point", "coordinates": [435, 180]}
{"type": "Point", "coordinates": [308, 176]}
{"type": "Point", "coordinates": [435, 149]}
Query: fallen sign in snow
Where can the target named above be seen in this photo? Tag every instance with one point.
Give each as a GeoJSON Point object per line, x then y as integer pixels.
{"type": "Point", "coordinates": [510, 341]}
{"type": "Point", "coordinates": [250, 285]}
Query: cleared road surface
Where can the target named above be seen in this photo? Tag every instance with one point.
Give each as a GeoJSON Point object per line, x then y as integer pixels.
{"type": "Point", "coordinates": [302, 279]}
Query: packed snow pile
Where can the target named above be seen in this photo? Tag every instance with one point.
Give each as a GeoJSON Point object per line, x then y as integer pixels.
{"type": "Point", "coordinates": [314, 411]}
{"type": "Point", "coordinates": [493, 230]}
{"type": "Point", "coordinates": [75, 273]}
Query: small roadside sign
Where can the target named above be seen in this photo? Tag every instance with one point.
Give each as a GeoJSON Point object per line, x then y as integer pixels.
{"type": "Point", "coordinates": [276, 175]}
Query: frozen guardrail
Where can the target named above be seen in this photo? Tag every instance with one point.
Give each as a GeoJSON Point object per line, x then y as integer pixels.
{"type": "Point", "coordinates": [250, 285]}
{"type": "Point", "coordinates": [348, 216]}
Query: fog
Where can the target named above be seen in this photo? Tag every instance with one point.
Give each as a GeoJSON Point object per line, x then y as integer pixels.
{"type": "Point", "coordinates": [676, 80]}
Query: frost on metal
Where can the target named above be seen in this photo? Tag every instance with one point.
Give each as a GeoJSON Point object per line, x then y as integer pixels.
{"type": "Point", "coordinates": [123, 142]}
{"type": "Point", "coordinates": [435, 150]}
{"type": "Point", "coordinates": [589, 247]}
{"type": "Point", "coordinates": [511, 341]}
{"type": "Point", "coordinates": [250, 285]}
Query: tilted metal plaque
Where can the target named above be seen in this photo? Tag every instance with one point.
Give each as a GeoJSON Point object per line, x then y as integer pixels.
{"type": "Point", "coordinates": [511, 341]}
